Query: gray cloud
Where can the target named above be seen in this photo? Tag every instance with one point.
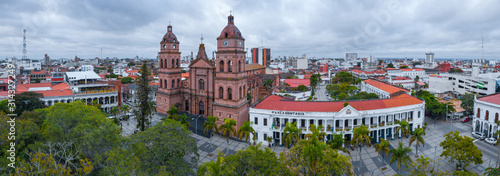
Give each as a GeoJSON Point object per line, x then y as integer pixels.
{"type": "Point", "coordinates": [397, 28]}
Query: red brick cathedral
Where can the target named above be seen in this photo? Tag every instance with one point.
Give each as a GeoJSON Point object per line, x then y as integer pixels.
{"type": "Point", "coordinates": [215, 87]}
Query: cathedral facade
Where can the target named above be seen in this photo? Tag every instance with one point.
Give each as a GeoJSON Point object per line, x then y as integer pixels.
{"type": "Point", "coordinates": [216, 87]}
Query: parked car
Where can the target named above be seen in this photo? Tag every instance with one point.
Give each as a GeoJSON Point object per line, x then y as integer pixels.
{"type": "Point", "coordinates": [478, 135]}
{"type": "Point", "coordinates": [466, 119]}
{"type": "Point", "coordinates": [491, 141]}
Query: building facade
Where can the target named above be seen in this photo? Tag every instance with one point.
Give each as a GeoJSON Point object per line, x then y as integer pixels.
{"type": "Point", "coordinates": [486, 112]}
{"type": "Point", "coordinates": [270, 116]}
{"type": "Point", "coordinates": [215, 87]}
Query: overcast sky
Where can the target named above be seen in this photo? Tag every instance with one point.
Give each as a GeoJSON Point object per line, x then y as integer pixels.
{"type": "Point", "coordinates": [63, 28]}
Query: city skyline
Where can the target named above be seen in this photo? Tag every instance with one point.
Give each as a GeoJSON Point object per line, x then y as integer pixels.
{"type": "Point", "coordinates": [393, 29]}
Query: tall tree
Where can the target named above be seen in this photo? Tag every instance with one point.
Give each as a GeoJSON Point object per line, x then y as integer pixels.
{"type": "Point", "coordinates": [403, 128]}
{"type": "Point", "coordinates": [173, 113]}
{"type": "Point", "coordinates": [28, 101]}
{"type": "Point", "coordinates": [291, 134]}
{"type": "Point", "coordinates": [460, 149]}
{"type": "Point", "coordinates": [337, 143]}
{"type": "Point", "coordinates": [390, 65]}
{"type": "Point", "coordinates": [360, 137]}
{"type": "Point", "coordinates": [209, 126]}
{"type": "Point", "coordinates": [400, 155]}
{"type": "Point", "coordinates": [245, 130]}
{"type": "Point", "coordinates": [417, 136]}
{"type": "Point", "coordinates": [145, 110]}
{"type": "Point", "coordinates": [467, 102]}
{"type": "Point", "coordinates": [227, 129]}
{"type": "Point", "coordinates": [383, 147]}
{"type": "Point", "coordinates": [184, 121]}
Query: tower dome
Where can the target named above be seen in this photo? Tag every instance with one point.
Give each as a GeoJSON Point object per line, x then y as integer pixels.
{"type": "Point", "coordinates": [231, 31]}
{"type": "Point", "coordinates": [170, 36]}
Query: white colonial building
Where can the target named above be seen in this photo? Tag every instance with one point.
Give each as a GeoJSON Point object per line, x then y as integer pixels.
{"type": "Point", "coordinates": [486, 112]}
{"type": "Point", "coordinates": [269, 117]}
{"type": "Point", "coordinates": [383, 90]}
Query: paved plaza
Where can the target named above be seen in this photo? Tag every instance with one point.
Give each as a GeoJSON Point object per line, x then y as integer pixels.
{"type": "Point", "coordinates": [371, 163]}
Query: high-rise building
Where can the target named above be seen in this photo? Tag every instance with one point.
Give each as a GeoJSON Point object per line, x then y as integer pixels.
{"type": "Point", "coordinates": [261, 56]}
{"type": "Point", "coordinates": [46, 61]}
{"type": "Point", "coordinates": [429, 57]}
{"type": "Point", "coordinates": [351, 56]}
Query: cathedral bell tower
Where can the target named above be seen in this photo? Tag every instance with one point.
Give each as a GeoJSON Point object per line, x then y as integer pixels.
{"type": "Point", "coordinates": [169, 75]}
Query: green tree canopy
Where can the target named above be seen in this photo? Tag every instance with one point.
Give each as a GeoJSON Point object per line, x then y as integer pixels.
{"type": "Point", "coordinates": [467, 102]}
{"type": "Point", "coordinates": [145, 109]}
{"type": "Point", "coordinates": [165, 148]}
{"type": "Point", "coordinates": [85, 126]}
{"type": "Point", "coordinates": [254, 160]}
{"type": "Point", "coordinates": [460, 149]}
{"type": "Point", "coordinates": [28, 101]}
{"type": "Point", "coordinates": [390, 65]}
{"type": "Point", "coordinates": [127, 80]}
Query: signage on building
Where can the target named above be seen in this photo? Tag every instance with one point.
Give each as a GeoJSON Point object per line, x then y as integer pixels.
{"type": "Point", "coordinates": [287, 113]}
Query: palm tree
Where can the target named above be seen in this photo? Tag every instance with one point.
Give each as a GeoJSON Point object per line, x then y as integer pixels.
{"type": "Point", "coordinates": [400, 155]}
{"type": "Point", "coordinates": [425, 127]}
{"type": "Point", "coordinates": [212, 168]}
{"type": "Point", "coordinates": [417, 136]}
{"type": "Point", "coordinates": [269, 140]}
{"type": "Point", "coordinates": [124, 110]}
{"type": "Point", "coordinates": [184, 121]}
{"type": "Point", "coordinates": [173, 112]}
{"type": "Point", "coordinates": [403, 128]}
{"type": "Point", "coordinates": [210, 126]}
{"type": "Point", "coordinates": [337, 142]}
{"type": "Point", "coordinates": [245, 130]}
{"type": "Point", "coordinates": [291, 133]}
{"type": "Point", "coordinates": [382, 147]}
{"type": "Point", "coordinates": [360, 137]}
{"type": "Point", "coordinates": [268, 83]}
{"type": "Point", "coordinates": [313, 149]}
{"type": "Point", "coordinates": [227, 129]}
{"type": "Point", "coordinates": [114, 111]}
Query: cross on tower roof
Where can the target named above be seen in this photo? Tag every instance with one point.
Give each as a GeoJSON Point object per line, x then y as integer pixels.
{"type": "Point", "coordinates": [230, 12]}
{"type": "Point", "coordinates": [201, 38]}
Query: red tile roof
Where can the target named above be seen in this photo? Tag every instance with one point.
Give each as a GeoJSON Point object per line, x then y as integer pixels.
{"type": "Point", "coordinates": [20, 88]}
{"type": "Point", "coordinates": [297, 82]}
{"type": "Point", "coordinates": [385, 87]}
{"type": "Point", "coordinates": [60, 86]}
{"type": "Point", "coordinates": [56, 93]}
{"type": "Point", "coordinates": [411, 69]}
{"type": "Point", "coordinates": [38, 72]}
{"type": "Point", "coordinates": [185, 75]}
{"type": "Point", "coordinates": [275, 102]}
{"type": "Point", "coordinates": [494, 98]}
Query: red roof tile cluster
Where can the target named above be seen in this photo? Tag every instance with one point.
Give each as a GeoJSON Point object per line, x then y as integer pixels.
{"type": "Point", "coordinates": [369, 72]}
{"type": "Point", "coordinates": [400, 78]}
{"type": "Point", "coordinates": [385, 87]}
{"type": "Point", "coordinates": [56, 93]}
{"type": "Point", "coordinates": [297, 82]}
{"type": "Point", "coordinates": [494, 98]}
{"type": "Point", "coordinates": [60, 86]}
{"type": "Point", "coordinates": [278, 103]}
{"type": "Point", "coordinates": [185, 75]}
{"type": "Point", "coordinates": [33, 72]}
{"type": "Point", "coordinates": [20, 88]}
{"type": "Point", "coordinates": [412, 69]}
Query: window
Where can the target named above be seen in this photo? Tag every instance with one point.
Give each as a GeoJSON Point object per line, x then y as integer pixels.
{"type": "Point", "coordinates": [486, 115]}
{"type": "Point", "coordinates": [187, 105]}
{"type": "Point", "coordinates": [229, 65]}
{"type": "Point", "coordinates": [478, 113]}
{"type": "Point", "coordinates": [229, 93]}
{"type": "Point", "coordinates": [265, 136]}
{"type": "Point", "coordinates": [165, 83]}
{"type": "Point", "coordinates": [418, 114]}
{"type": "Point", "coordinates": [265, 122]}
{"type": "Point", "coordinates": [178, 83]}
{"type": "Point", "coordinates": [173, 83]}
{"type": "Point", "coordinates": [202, 107]}
{"type": "Point", "coordinates": [172, 66]}
{"type": "Point", "coordinates": [221, 92]}
{"type": "Point", "coordinates": [256, 136]}
{"type": "Point", "coordinates": [256, 121]}
{"type": "Point", "coordinates": [177, 63]}
{"type": "Point", "coordinates": [221, 65]}
{"type": "Point", "coordinates": [496, 117]}
{"type": "Point", "coordinates": [202, 84]}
